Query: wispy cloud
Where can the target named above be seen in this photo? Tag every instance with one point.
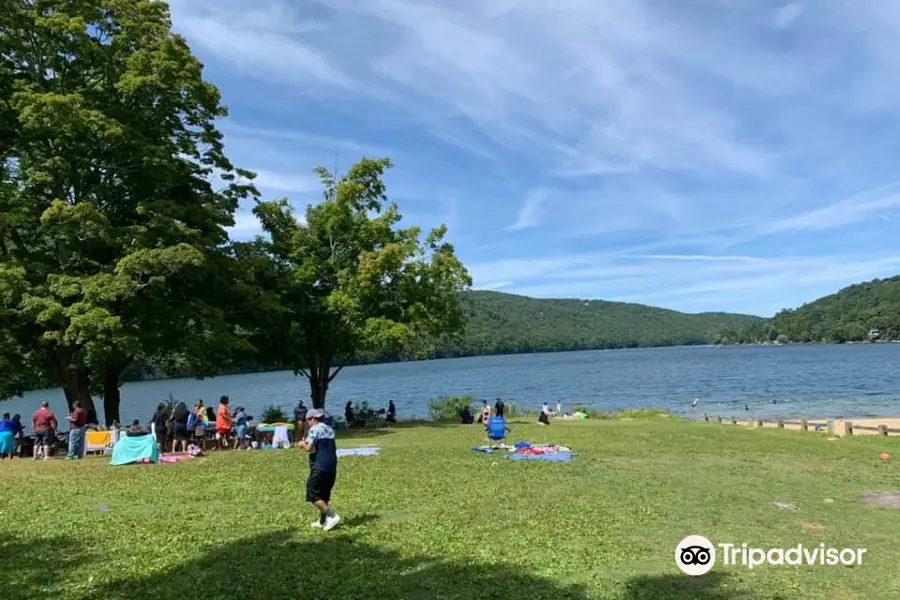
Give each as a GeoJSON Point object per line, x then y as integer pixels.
{"type": "Point", "coordinates": [691, 151]}
{"type": "Point", "coordinates": [530, 213]}
{"type": "Point", "coordinates": [787, 14]}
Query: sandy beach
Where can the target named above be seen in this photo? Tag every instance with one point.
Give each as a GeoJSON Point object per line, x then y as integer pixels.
{"type": "Point", "coordinates": [839, 425]}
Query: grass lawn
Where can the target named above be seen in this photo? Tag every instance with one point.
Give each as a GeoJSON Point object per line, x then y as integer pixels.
{"type": "Point", "coordinates": [429, 519]}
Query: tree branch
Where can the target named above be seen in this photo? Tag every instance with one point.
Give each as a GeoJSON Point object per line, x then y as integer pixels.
{"type": "Point", "coordinates": [344, 362]}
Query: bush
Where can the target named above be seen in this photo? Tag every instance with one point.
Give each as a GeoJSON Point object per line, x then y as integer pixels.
{"type": "Point", "coordinates": [273, 414]}
{"type": "Point", "coordinates": [448, 407]}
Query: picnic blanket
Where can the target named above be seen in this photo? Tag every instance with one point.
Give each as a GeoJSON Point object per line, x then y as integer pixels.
{"type": "Point", "coordinates": [526, 451]}
{"type": "Point", "coordinates": [556, 457]}
{"type": "Point", "coordinates": [542, 452]}
{"type": "Point", "coordinates": [132, 450]}
{"type": "Point", "coordinates": [370, 451]}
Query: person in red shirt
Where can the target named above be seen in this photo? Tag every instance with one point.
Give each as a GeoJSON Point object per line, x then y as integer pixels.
{"type": "Point", "coordinates": [44, 423]}
{"type": "Point", "coordinates": [77, 431]}
{"type": "Point", "coordinates": [224, 420]}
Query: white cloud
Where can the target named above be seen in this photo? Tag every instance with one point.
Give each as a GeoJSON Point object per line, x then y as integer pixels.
{"type": "Point", "coordinates": [787, 14]}
{"type": "Point", "coordinates": [674, 281]}
{"type": "Point", "coordinates": [670, 132]}
{"type": "Point", "coordinates": [268, 180]}
{"type": "Point", "coordinates": [530, 214]}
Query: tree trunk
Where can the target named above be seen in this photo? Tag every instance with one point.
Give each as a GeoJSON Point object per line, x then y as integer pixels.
{"type": "Point", "coordinates": [75, 382]}
{"type": "Point", "coordinates": [112, 396]}
{"type": "Point", "coordinates": [318, 386]}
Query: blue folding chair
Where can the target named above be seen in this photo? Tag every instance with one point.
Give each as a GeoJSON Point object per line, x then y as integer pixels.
{"type": "Point", "coordinates": [496, 430]}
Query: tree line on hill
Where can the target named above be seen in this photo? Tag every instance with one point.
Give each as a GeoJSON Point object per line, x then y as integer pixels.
{"type": "Point", "coordinates": [115, 199]}
{"type": "Point", "coordinates": [499, 323]}
{"type": "Point", "coordinates": [862, 312]}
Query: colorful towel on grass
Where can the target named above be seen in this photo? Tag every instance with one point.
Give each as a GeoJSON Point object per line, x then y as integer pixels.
{"type": "Point", "coordinates": [526, 451]}
{"type": "Point", "coordinates": [542, 452]}
{"type": "Point", "coordinates": [174, 458]}
{"type": "Point", "coordinates": [371, 451]}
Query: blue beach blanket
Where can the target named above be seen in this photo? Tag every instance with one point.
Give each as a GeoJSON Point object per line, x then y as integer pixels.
{"type": "Point", "coordinates": [130, 450]}
{"type": "Point", "coordinates": [559, 457]}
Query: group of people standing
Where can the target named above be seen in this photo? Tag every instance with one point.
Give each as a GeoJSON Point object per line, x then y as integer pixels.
{"type": "Point", "coordinates": [180, 426]}
{"type": "Point", "coordinates": [46, 428]}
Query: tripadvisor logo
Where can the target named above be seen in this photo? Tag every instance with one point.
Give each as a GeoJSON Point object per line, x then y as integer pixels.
{"type": "Point", "coordinates": [696, 555]}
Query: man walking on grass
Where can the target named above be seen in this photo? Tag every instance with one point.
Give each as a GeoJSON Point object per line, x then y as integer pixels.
{"type": "Point", "coordinates": [319, 443]}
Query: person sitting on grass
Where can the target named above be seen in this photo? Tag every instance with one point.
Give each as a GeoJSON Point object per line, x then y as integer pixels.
{"type": "Point", "coordinates": [320, 444]}
{"type": "Point", "coordinates": [136, 430]}
{"type": "Point", "coordinates": [544, 417]}
{"type": "Point", "coordinates": [391, 412]}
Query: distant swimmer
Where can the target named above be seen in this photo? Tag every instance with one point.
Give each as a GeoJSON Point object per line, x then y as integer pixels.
{"type": "Point", "coordinates": [746, 407]}
{"type": "Point", "coordinates": [695, 403]}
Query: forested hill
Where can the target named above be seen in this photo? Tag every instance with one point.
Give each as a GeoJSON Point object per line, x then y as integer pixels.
{"type": "Point", "coordinates": [861, 312]}
{"type": "Point", "coordinates": [501, 323]}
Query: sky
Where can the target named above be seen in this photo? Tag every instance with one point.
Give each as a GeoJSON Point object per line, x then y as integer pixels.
{"type": "Point", "coordinates": [700, 155]}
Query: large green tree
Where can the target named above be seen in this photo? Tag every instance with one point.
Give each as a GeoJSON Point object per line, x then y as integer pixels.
{"type": "Point", "coordinates": [107, 211]}
{"type": "Point", "coordinates": [347, 280]}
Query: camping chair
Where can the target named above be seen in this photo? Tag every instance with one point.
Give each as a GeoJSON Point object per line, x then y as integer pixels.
{"type": "Point", "coordinates": [98, 441]}
{"type": "Point", "coordinates": [496, 431]}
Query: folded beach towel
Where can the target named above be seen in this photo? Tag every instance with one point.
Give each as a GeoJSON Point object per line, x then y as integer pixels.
{"type": "Point", "coordinates": [371, 451]}
{"type": "Point", "coordinates": [280, 437]}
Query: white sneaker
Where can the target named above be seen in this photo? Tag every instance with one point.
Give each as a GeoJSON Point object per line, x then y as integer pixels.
{"type": "Point", "coordinates": [331, 522]}
{"type": "Point", "coordinates": [316, 524]}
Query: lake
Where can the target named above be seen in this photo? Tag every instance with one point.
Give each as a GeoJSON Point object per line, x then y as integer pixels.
{"type": "Point", "coordinates": [806, 381]}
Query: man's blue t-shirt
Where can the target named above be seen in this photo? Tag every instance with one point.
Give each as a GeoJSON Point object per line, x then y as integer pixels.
{"type": "Point", "coordinates": [323, 456]}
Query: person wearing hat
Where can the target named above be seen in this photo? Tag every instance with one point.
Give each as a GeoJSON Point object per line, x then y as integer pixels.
{"type": "Point", "coordinates": [320, 444]}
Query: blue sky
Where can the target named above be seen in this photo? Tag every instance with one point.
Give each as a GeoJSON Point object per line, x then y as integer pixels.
{"type": "Point", "coordinates": [700, 155]}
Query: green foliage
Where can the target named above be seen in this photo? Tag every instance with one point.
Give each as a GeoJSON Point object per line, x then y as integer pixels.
{"type": "Point", "coordinates": [860, 312]}
{"type": "Point", "coordinates": [499, 323]}
{"type": "Point", "coordinates": [414, 518]}
{"type": "Point", "coordinates": [273, 414]}
{"type": "Point", "coordinates": [107, 213]}
{"type": "Point", "coordinates": [347, 281]}
{"type": "Point", "coordinates": [447, 409]}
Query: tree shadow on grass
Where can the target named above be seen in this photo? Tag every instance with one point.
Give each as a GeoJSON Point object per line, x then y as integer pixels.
{"type": "Point", "coordinates": [334, 566]}
{"type": "Point", "coordinates": [33, 568]}
{"type": "Point", "coordinates": [363, 432]}
{"type": "Point", "coordinates": [712, 586]}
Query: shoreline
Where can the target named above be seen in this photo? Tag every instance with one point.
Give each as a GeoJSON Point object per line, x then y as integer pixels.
{"type": "Point", "coordinates": [839, 424]}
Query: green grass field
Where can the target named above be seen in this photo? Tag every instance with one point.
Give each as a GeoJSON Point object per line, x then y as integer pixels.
{"type": "Point", "coordinates": [429, 519]}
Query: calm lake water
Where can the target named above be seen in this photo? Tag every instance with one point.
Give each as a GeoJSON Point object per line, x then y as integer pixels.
{"type": "Point", "coordinates": [807, 381]}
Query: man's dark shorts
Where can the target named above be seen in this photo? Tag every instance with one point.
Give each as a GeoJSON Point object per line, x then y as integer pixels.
{"type": "Point", "coordinates": [319, 485]}
{"type": "Point", "coordinates": [44, 438]}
